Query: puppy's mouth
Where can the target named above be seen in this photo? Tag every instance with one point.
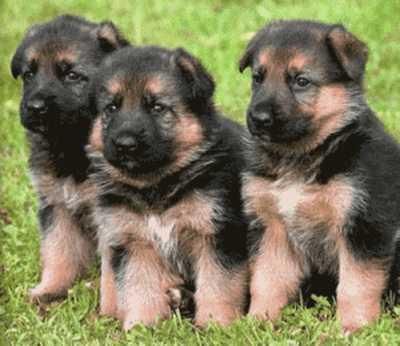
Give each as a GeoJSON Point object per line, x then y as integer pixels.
{"type": "Point", "coordinates": [35, 125]}
{"type": "Point", "coordinates": [126, 164]}
{"type": "Point", "coordinates": [131, 165]}
{"type": "Point", "coordinates": [258, 133]}
{"type": "Point", "coordinates": [282, 132]}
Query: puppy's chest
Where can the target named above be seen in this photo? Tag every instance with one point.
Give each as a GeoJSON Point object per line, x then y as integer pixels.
{"type": "Point", "coordinates": [172, 232]}
{"type": "Point", "coordinates": [163, 232]}
{"type": "Point", "coordinates": [300, 206]}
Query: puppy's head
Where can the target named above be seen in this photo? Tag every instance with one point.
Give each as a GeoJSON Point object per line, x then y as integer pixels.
{"type": "Point", "coordinates": [56, 61]}
{"type": "Point", "coordinates": [155, 110]}
{"type": "Point", "coordinates": [306, 79]}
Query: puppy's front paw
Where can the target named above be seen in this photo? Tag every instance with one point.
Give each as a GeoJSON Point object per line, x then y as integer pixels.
{"type": "Point", "coordinates": [263, 310]}
{"type": "Point", "coordinates": [354, 316]}
{"type": "Point", "coordinates": [109, 309]}
{"type": "Point", "coordinates": [147, 313]}
{"type": "Point", "coordinates": [259, 313]}
{"type": "Point", "coordinates": [222, 314]}
{"type": "Point", "coordinates": [44, 295]}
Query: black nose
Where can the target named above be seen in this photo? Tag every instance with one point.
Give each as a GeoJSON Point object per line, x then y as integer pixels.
{"type": "Point", "coordinates": [37, 106]}
{"type": "Point", "coordinates": [125, 144]}
{"type": "Point", "coordinates": [263, 119]}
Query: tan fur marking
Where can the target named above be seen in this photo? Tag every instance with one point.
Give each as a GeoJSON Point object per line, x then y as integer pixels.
{"type": "Point", "coordinates": [32, 54]}
{"type": "Point", "coordinates": [220, 296]}
{"type": "Point", "coordinates": [124, 225]}
{"type": "Point", "coordinates": [65, 255]}
{"type": "Point", "coordinates": [360, 289]}
{"type": "Point", "coordinates": [331, 101]}
{"type": "Point", "coordinates": [154, 85]}
{"type": "Point", "coordinates": [258, 199]}
{"type": "Point", "coordinates": [328, 110]}
{"type": "Point", "coordinates": [69, 55]}
{"type": "Point", "coordinates": [115, 85]}
{"type": "Point", "coordinates": [328, 204]}
{"type": "Point", "coordinates": [264, 57]}
{"type": "Point", "coordinates": [205, 209]}
{"type": "Point", "coordinates": [298, 62]}
{"type": "Point", "coordinates": [189, 136]}
{"type": "Point", "coordinates": [96, 135]}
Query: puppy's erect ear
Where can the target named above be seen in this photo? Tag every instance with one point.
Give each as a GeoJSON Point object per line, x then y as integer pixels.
{"type": "Point", "coordinates": [16, 61]}
{"type": "Point", "coordinates": [199, 80]}
{"type": "Point", "coordinates": [109, 37]}
{"type": "Point", "coordinates": [349, 51]}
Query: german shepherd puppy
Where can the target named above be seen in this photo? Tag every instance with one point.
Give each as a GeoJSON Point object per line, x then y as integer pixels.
{"type": "Point", "coordinates": [167, 169]}
{"type": "Point", "coordinates": [323, 185]}
{"type": "Point", "coordinates": [57, 61]}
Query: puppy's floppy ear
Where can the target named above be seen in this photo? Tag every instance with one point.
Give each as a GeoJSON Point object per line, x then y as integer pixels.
{"type": "Point", "coordinates": [109, 37]}
{"type": "Point", "coordinates": [200, 81]}
{"type": "Point", "coordinates": [16, 61]}
{"type": "Point", "coordinates": [349, 51]}
{"type": "Point", "coordinates": [246, 58]}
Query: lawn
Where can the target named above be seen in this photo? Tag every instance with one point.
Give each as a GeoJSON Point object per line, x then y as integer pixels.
{"type": "Point", "coordinates": [217, 32]}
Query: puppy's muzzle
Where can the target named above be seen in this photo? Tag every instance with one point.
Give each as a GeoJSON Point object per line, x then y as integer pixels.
{"type": "Point", "coordinates": [125, 145]}
{"type": "Point", "coordinates": [37, 107]}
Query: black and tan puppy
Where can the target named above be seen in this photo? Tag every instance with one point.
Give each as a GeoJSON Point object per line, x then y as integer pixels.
{"type": "Point", "coordinates": [169, 206]}
{"type": "Point", "coordinates": [57, 61]}
{"type": "Point", "coordinates": [323, 185]}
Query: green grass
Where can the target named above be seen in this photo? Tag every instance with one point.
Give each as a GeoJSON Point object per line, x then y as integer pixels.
{"type": "Point", "coordinates": [217, 32]}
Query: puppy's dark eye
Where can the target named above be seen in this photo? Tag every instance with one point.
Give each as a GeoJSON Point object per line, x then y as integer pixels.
{"type": "Point", "coordinates": [158, 108]}
{"type": "Point", "coordinates": [302, 82]}
{"type": "Point", "coordinates": [111, 108]}
{"type": "Point", "coordinates": [258, 77]}
{"type": "Point", "coordinates": [27, 76]}
{"type": "Point", "coordinates": [72, 76]}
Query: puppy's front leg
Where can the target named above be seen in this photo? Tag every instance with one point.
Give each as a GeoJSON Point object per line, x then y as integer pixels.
{"type": "Point", "coordinates": [360, 289]}
{"type": "Point", "coordinates": [144, 282]}
{"type": "Point", "coordinates": [220, 292]}
{"type": "Point", "coordinates": [108, 286]}
{"type": "Point", "coordinates": [65, 254]}
{"type": "Point", "coordinates": [275, 273]}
